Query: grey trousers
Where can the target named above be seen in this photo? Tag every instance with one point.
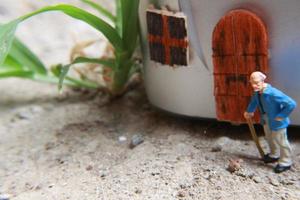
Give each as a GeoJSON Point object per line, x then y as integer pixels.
{"type": "Point", "coordinates": [278, 144]}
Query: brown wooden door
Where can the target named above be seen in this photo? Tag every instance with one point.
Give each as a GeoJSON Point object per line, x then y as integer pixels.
{"type": "Point", "coordinates": [240, 46]}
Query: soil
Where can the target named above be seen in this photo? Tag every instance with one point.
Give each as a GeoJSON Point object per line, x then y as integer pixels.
{"type": "Point", "coordinates": [77, 145]}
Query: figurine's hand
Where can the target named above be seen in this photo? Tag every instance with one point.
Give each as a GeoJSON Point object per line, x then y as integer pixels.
{"type": "Point", "coordinates": [248, 115]}
{"type": "Point", "coordinates": [278, 119]}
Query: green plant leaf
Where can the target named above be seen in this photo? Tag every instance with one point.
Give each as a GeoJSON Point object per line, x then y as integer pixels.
{"type": "Point", "coordinates": [20, 57]}
{"type": "Point", "coordinates": [107, 30]}
{"type": "Point", "coordinates": [119, 18]}
{"type": "Point", "coordinates": [62, 74]}
{"type": "Point", "coordinates": [130, 24]}
{"type": "Point", "coordinates": [101, 10]}
{"type": "Point", "coordinates": [82, 83]}
{"type": "Point", "coordinates": [107, 62]}
{"type": "Point", "coordinates": [121, 76]}
{"type": "Point", "coordinates": [19, 52]}
{"type": "Point", "coordinates": [7, 32]}
{"type": "Point", "coordinates": [61, 71]}
{"type": "Point", "coordinates": [123, 38]}
{"type": "Point", "coordinates": [12, 63]}
{"type": "Point", "coordinates": [6, 72]}
{"type": "Point", "coordinates": [11, 68]}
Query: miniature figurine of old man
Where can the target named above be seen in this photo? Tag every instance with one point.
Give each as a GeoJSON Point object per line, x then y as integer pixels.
{"type": "Point", "coordinates": [274, 107]}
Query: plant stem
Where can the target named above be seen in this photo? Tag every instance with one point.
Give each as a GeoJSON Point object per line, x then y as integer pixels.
{"type": "Point", "coordinates": [69, 81]}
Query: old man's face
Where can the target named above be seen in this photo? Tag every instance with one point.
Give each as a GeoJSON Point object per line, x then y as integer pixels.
{"type": "Point", "coordinates": [257, 83]}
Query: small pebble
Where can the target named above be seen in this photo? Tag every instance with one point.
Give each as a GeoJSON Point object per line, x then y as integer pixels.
{"type": "Point", "coordinates": [234, 165]}
{"type": "Point", "coordinates": [24, 115]}
{"type": "Point", "coordinates": [216, 148]}
{"type": "Point", "coordinates": [36, 109]}
{"type": "Point", "coordinates": [122, 139]}
{"type": "Point", "coordinates": [38, 187]}
{"type": "Point", "coordinates": [257, 179]}
{"type": "Point", "coordinates": [4, 196]}
{"type": "Point", "coordinates": [138, 191]}
{"type": "Point", "coordinates": [103, 174]}
{"type": "Point", "coordinates": [136, 140]}
{"type": "Point", "coordinates": [241, 173]}
{"type": "Point", "coordinates": [181, 194]}
{"type": "Point", "coordinates": [274, 181]}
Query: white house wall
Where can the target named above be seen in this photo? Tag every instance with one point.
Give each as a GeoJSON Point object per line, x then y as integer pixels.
{"type": "Point", "coordinates": [189, 90]}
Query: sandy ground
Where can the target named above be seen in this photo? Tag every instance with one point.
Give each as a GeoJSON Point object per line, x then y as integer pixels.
{"type": "Point", "coordinates": [76, 145]}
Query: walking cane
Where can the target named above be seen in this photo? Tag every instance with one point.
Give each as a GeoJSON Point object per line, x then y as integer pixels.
{"type": "Point", "coordinates": [254, 137]}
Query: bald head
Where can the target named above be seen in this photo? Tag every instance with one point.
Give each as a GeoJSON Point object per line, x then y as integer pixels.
{"type": "Point", "coordinates": [257, 81]}
{"type": "Point", "coordinates": [259, 76]}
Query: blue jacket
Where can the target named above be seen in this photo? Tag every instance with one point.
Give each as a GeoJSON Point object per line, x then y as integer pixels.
{"type": "Point", "coordinates": [275, 104]}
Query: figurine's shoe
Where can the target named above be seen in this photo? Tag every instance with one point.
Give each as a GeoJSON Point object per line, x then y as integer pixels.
{"type": "Point", "coordinates": [269, 159]}
{"type": "Point", "coordinates": [279, 168]}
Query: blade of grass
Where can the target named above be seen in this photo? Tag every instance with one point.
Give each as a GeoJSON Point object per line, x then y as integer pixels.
{"type": "Point", "coordinates": [6, 72]}
{"type": "Point", "coordinates": [12, 68]}
{"type": "Point", "coordinates": [55, 80]}
{"type": "Point", "coordinates": [42, 78]}
{"type": "Point", "coordinates": [11, 63]}
{"type": "Point", "coordinates": [101, 10]}
{"type": "Point", "coordinates": [108, 31]}
{"type": "Point", "coordinates": [107, 62]}
{"type": "Point", "coordinates": [119, 18]}
{"type": "Point", "coordinates": [123, 38]}
{"type": "Point", "coordinates": [24, 56]}
{"type": "Point", "coordinates": [130, 24]}
{"type": "Point", "coordinates": [62, 71]}
{"type": "Point", "coordinates": [121, 75]}
{"type": "Point", "coordinates": [7, 32]}
{"type": "Point", "coordinates": [85, 83]}
{"type": "Point", "coordinates": [62, 74]}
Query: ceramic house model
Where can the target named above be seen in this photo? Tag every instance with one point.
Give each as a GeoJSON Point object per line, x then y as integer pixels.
{"type": "Point", "coordinates": [199, 54]}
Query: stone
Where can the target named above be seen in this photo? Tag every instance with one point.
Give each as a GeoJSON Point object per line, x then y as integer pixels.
{"type": "Point", "coordinates": [28, 113]}
{"type": "Point", "coordinates": [223, 140]}
{"type": "Point", "coordinates": [216, 148]}
{"type": "Point", "coordinates": [241, 173]}
{"type": "Point", "coordinates": [122, 139]}
{"type": "Point", "coordinates": [285, 196]}
{"type": "Point", "coordinates": [138, 191]}
{"type": "Point", "coordinates": [136, 140]}
{"type": "Point", "coordinates": [49, 145]}
{"type": "Point", "coordinates": [257, 179]}
{"type": "Point", "coordinates": [89, 167]}
{"type": "Point", "coordinates": [24, 114]}
{"type": "Point", "coordinates": [102, 174]}
{"type": "Point", "coordinates": [245, 173]}
{"type": "Point", "coordinates": [234, 165]}
{"type": "Point", "coordinates": [4, 196]}
{"type": "Point", "coordinates": [38, 187]}
{"type": "Point", "coordinates": [274, 181]}
{"type": "Point", "coordinates": [181, 194]}
{"type": "Point", "coordinates": [220, 143]}
{"type": "Point", "coordinates": [36, 109]}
